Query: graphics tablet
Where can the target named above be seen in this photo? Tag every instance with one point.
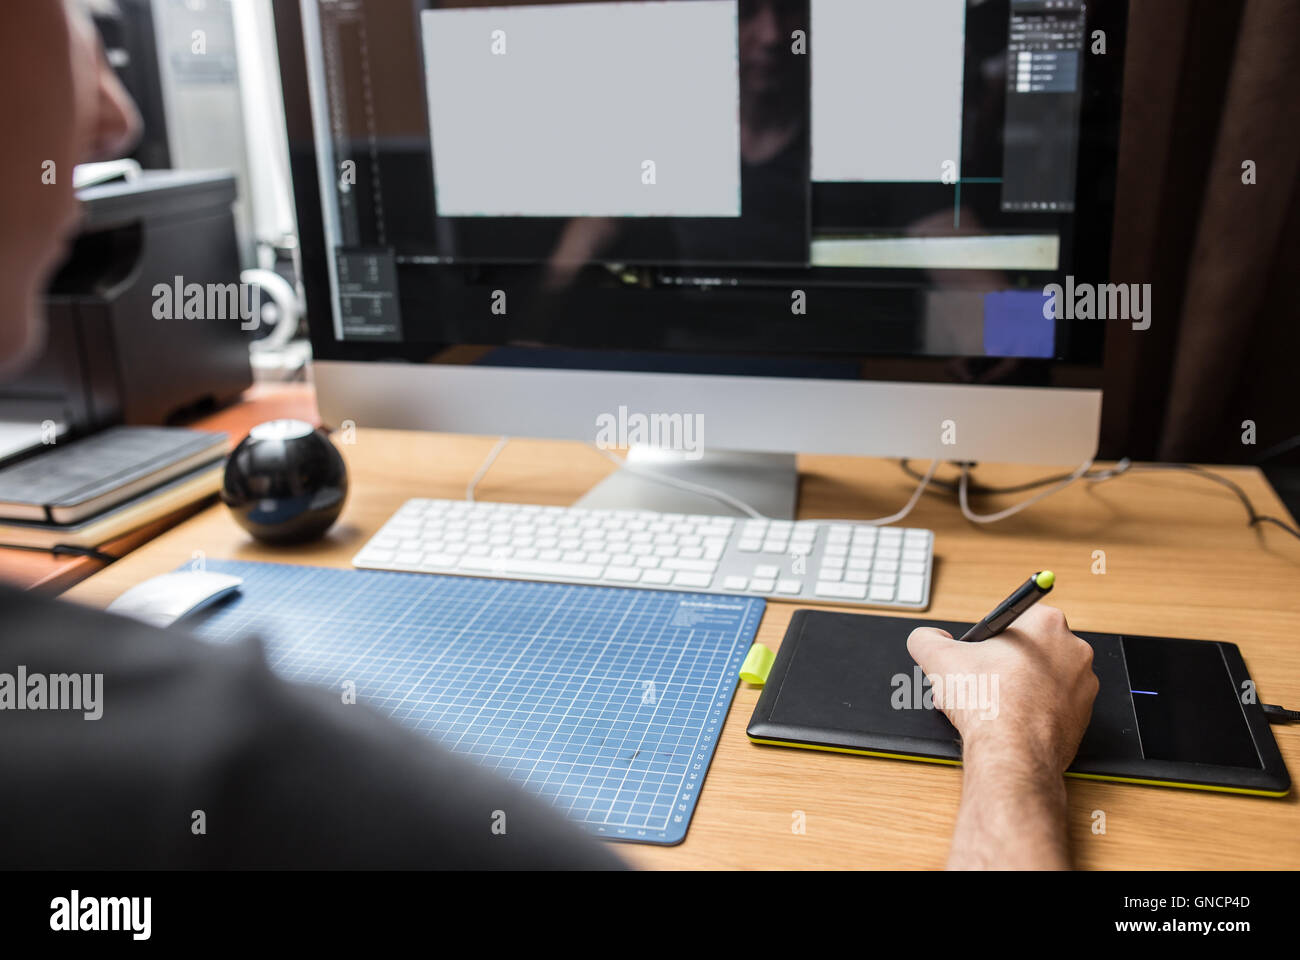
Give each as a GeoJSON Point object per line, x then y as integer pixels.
{"type": "Point", "coordinates": [1178, 713]}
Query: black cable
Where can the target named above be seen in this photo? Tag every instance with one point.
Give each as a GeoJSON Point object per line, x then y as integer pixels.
{"type": "Point", "coordinates": [951, 485]}
{"type": "Point", "coordinates": [1124, 467]}
{"type": "Point", "coordinates": [1278, 714]}
{"type": "Point", "coordinates": [1286, 446]}
{"type": "Point", "coordinates": [66, 550]}
{"type": "Point", "coordinates": [1255, 518]}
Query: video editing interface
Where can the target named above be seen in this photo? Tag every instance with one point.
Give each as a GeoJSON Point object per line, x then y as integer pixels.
{"type": "Point", "coordinates": [814, 179]}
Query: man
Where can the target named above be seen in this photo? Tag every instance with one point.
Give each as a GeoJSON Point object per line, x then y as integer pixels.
{"type": "Point", "coordinates": [203, 758]}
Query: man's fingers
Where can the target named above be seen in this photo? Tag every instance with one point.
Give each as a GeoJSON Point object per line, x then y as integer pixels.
{"type": "Point", "coordinates": [1042, 620]}
{"type": "Point", "coordinates": [927, 643]}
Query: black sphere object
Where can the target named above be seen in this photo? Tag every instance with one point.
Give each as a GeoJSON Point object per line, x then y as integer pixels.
{"type": "Point", "coordinates": [285, 482]}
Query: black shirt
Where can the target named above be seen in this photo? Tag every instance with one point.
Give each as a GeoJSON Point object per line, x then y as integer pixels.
{"type": "Point", "coordinates": [203, 758]}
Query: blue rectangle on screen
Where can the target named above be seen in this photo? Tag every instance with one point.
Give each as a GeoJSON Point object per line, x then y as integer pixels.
{"type": "Point", "coordinates": [1014, 325]}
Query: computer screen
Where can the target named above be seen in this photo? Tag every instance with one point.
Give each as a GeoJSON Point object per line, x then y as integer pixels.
{"type": "Point", "coordinates": [844, 189]}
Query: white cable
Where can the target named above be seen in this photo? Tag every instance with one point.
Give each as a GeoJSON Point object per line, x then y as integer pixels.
{"type": "Point", "coordinates": [894, 518]}
{"type": "Point", "coordinates": [487, 463]}
{"type": "Point", "coordinates": [1122, 466]}
{"type": "Point", "coordinates": [974, 517]}
{"type": "Point", "coordinates": [712, 492]}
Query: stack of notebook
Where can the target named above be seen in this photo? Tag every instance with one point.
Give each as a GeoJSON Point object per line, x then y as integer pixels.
{"type": "Point", "coordinates": [84, 493]}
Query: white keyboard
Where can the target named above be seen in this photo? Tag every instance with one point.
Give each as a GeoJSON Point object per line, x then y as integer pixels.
{"type": "Point", "coordinates": [808, 560]}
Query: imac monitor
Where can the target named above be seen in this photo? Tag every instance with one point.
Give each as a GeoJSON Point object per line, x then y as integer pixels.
{"type": "Point", "coordinates": [713, 227]}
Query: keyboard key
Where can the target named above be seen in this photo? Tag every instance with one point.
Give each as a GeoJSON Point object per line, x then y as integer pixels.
{"type": "Point", "coordinates": [789, 586]}
{"type": "Point", "coordinates": [766, 571]}
{"type": "Point", "coordinates": [576, 571]}
{"type": "Point", "coordinates": [840, 591]}
{"type": "Point", "coordinates": [657, 576]}
{"type": "Point", "coordinates": [762, 586]}
{"type": "Point", "coordinates": [685, 579]}
{"type": "Point", "coordinates": [735, 583]}
{"type": "Point", "coordinates": [910, 588]}
{"type": "Point", "coordinates": [624, 574]}
{"type": "Point", "coordinates": [695, 566]}
{"type": "Point", "coordinates": [882, 591]}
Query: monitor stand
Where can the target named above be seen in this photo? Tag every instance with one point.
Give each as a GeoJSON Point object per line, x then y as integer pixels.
{"type": "Point", "coordinates": [768, 482]}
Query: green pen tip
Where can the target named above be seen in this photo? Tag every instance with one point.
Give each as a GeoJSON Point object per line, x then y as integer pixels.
{"type": "Point", "coordinates": [1045, 579]}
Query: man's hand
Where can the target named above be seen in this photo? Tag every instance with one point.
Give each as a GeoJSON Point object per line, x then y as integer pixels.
{"type": "Point", "coordinates": [1045, 685]}
{"type": "Point", "coordinates": [1013, 795]}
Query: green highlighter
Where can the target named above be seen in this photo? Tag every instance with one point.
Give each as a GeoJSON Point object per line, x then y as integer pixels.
{"type": "Point", "coordinates": [1005, 613]}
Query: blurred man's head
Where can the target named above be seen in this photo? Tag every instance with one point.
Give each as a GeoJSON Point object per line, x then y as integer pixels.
{"type": "Point", "coordinates": [767, 66]}
{"type": "Point", "coordinates": [60, 105]}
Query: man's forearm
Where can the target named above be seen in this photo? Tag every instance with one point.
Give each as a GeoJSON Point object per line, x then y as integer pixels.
{"type": "Point", "coordinates": [1012, 812]}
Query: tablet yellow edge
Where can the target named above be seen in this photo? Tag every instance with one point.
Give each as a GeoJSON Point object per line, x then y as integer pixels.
{"type": "Point", "coordinates": [1080, 776]}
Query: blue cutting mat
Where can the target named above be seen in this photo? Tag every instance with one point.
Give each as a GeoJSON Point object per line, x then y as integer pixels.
{"type": "Point", "coordinates": [606, 701]}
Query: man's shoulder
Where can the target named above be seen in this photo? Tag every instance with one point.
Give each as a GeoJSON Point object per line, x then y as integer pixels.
{"type": "Point", "coordinates": [43, 628]}
{"type": "Point", "coordinates": [278, 774]}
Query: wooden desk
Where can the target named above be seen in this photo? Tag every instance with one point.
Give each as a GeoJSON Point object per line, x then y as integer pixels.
{"type": "Point", "coordinates": [1180, 560]}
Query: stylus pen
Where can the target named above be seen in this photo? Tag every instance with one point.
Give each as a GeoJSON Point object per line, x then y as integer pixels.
{"type": "Point", "coordinates": [1005, 613]}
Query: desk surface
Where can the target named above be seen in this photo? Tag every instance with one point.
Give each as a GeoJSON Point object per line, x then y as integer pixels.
{"type": "Point", "coordinates": [1179, 561]}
